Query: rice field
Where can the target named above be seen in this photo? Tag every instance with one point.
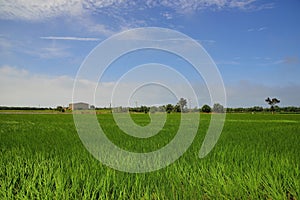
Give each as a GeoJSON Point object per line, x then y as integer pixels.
{"type": "Point", "coordinates": [256, 157]}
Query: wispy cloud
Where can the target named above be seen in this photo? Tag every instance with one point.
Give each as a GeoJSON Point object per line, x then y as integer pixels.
{"type": "Point", "coordinates": [288, 60]}
{"type": "Point", "coordinates": [167, 15]}
{"type": "Point", "coordinates": [122, 14]}
{"type": "Point", "coordinates": [70, 38]}
{"type": "Point", "coordinates": [41, 10]}
{"type": "Point", "coordinates": [250, 5]}
{"type": "Point", "coordinates": [230, 62]}
{"type": "Point", "coordinates": [257, 29]}
{"type": "Point", "coordinates": [208, 42]}
{"type": "Point", "coordinates": [49, 52]}
{"type": "Point", "coordinates": [5, 43]}
{"type": "Point", "coordinates": [97, 28]}
{"type": "Point", "coordinates": [38, 10]}
{"type": "Point", "coordinates": [241, 4]}
{"type": "Point", "coordinates": [265, 6]}
{"type": "Point", "coordinates": [262, 28]}
{"type": "Point", "coordinates": [183, 6]}
{"type": "Point", "coordinates": [9, 46]}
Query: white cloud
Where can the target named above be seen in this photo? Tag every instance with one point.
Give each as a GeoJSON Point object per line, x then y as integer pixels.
{"type": "Point", "coordinates": [78, 13]}
{"type": "Point", "coordinates": [10, 46]}
{"type": "Point", "coordinates": [18, 87]}
{"type": "Point", "coordinates": [167, 15]}
{"type": "Point", "coordinates": [49, 52]}
{"type": "Point", "coordinates": [288, 60]}
{"type": "Point", "coordinates": [257, 29]}
{"type": "Point", "coordinates": [224, 62]}
{"type": "Point", "coordinates": [262, 28]}
{"type": "Point", "coordinates": [12, 71]}
{"type": "Point", "coordinates": [265, 6]}
{"type": "Point", "coordinates": [207, 42]}
{"type": "Point", "coordinates": [185, 6]}
{"type": "Point", "coordinates": [240, 4]}
{"type": "Point", "coordinates": [69, 38]}
{"type": "Point", "coordinates": [97, 28]}
{"type": "Point", "coordinates": [247, 94]}
{"type": "Point", "coordinates": [79, 10]}
{"type": "Point", "coordinates": [37, 10]}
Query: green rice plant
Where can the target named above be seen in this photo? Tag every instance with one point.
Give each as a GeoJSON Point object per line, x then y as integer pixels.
{"type": "Point", "coordinates": [256, 157]}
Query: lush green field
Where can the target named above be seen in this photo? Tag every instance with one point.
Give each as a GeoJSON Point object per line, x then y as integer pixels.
{"type": "Point", "coordinates": [256, 157]}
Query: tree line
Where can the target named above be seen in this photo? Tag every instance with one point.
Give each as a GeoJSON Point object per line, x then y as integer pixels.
{"type": "Point", "coordinates": [181, 106]}
{"type": "Point", "coordinates": [216, 108]}
{"type": "Point", "coordinates": [24, 108]}
{"type": "Point", "coordinates": [176, 108]}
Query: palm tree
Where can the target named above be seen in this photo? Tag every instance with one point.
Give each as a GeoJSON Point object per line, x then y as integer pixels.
{"type": "Point", "coordinates": [272, 102]}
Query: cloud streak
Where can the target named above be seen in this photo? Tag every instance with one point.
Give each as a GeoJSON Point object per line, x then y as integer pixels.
{"type": "Point", "coordinates": [288, 60]}
{"type": "Point", "coordinates": [262, 28]}
{"type": "Point", "coordinates": [257, 29]}
{"type": "Point", "coordinates": [69, 38]}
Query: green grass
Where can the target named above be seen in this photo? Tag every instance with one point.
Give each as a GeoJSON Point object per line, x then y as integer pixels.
{"type": "Point", "coordinates": [256, 157]}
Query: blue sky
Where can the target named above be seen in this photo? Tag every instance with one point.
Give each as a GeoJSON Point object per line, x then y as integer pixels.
{"type": "Point", "coordinates": [254, 43]}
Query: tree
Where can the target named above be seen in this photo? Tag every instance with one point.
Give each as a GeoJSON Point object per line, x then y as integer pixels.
{"type": "Point", "coordinates": [169, 108]}
{"type": "Point", "coordinates": [182, 103]}
{"type": "Point", "coordinates": [177, 108]}
{"type": "Point", "coordinates": [60, 109]}
{"type": "Point", "coordinates": [218, 108]}
{"type": "Point", "coordinates": [256, 109]}
{"type": "Point", "coordinates": [206, 108]}
{"type": "Point", "coordinates": [272, 102]}
{"type": "Point", "coordinates": [92, 107]}
{"type": "Point", "coordinates": [144, 109]}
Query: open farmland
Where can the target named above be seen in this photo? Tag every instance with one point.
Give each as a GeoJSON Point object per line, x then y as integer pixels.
{"type": "Point", "coordinates": [256, 157]}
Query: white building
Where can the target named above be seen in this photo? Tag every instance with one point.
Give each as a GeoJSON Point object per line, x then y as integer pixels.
{"type": "Point", "coordinates": [78, 106]}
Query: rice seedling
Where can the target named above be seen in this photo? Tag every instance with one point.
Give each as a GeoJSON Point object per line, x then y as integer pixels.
{"type": "Point", "coordinates": [256, 157]}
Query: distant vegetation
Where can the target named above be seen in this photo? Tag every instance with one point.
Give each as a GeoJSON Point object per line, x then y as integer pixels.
{"type": "Point", "coordinates": [174, 108]}
{"type": "Point", "coordinates": [23, 108]}
{"type": "Point", "coordinates": [288, 109]}
{"type": "Point", "coordinates": [181, 106]}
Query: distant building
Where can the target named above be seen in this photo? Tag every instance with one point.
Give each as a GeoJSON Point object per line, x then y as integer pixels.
{"type": "Point", "coordinates": [78, 106]}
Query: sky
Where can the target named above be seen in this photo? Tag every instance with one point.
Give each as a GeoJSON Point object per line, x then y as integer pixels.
{"type": "Point", "coordinates": [255, 45]}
